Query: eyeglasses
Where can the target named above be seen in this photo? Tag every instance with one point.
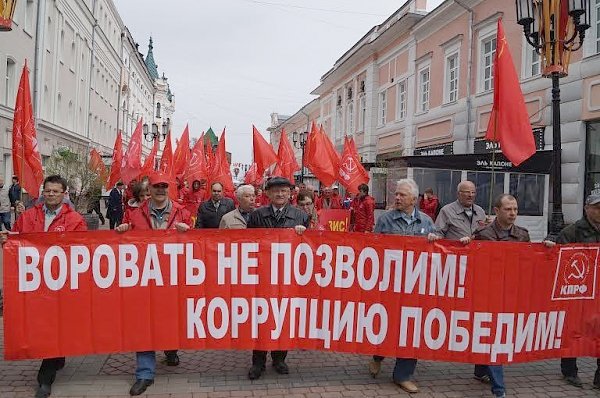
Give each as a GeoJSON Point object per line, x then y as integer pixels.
{"type": "Point", "coordinates": [51, 192]}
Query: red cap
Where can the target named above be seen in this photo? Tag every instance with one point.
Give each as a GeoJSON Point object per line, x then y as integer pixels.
{"type": "Point", "coordinates": [159, 178]}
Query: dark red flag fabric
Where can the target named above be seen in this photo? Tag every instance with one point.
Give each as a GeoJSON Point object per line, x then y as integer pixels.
{"type": "Point", "coordinates": [117, 160]}
{"type": "Point", "coordinates": [96, 165]}
{"type": "Point", "coordinates": [509, 122]}
{"type": "Point", "coordinates": [196, 169]}
{"type": "Point", "coordinates": [221, 171]}
{"type": "Point", "coordinates": [286, 163]}
{"type": "Point", "coordinates": [252, 176]}
{"type": "Point", "coordinates": [166, 167]}
{"type": "Point", "coordinates": [264, 155]}
{"type": "Point", "coordinates": [210, 157]}
{"type": "Point", "coordinates": [132, 159]}
{"type": "Point", "coordinates": [351, 171]}
{"type": "Point", "coordinates": [27, 163]}
{"type": "Point", "coordinates": [321, 158]}
{"type": "Point", "coordinates": [149, 163]}
{"type": "Point", "coordinates": [181, 157]}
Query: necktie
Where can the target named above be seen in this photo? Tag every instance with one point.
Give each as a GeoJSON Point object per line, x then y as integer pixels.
{"type": "Point", "coordinates": [277, 214]}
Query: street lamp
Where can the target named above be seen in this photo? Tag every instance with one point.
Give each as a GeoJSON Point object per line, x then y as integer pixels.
{"type": "Point", "coordinates": [299, 140]}
{"type": "Point", "coordinates": [555, 28]}
{"type": "Point", "coordinates": [7, 11]}
{"type": "Point", "coordinates": [154, 134]}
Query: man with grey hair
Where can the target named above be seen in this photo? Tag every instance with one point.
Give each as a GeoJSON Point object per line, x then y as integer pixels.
{"type": "Point", "coordinates": [238, 218]}
{"type": "Point", "coordinates": [404, 219]}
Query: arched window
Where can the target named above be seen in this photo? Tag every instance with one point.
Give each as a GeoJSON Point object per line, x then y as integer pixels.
{"type": "Point", "coordinates": [9, 94]}
{"type": "Point", "coordinates": [158, 109]}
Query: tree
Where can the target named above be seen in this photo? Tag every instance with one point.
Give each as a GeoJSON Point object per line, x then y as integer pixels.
{"type": "Point", "coordinates": [84, 185]}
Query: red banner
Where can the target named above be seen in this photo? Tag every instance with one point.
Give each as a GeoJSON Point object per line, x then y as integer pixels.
{"type": "Point", "coordinates": [488, 302]}
{"type": "Point", "coordinates": [334, 220]}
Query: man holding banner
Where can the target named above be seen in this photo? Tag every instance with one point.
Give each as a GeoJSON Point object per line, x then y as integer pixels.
{"type": "Point", "coordinates": [159, 212]}
{"type": "Point", "coordinates": [279, 214]}
{"type": "Point", "coordinates": [502, 229]}
{"type": "Point", "coordinates": [404, 219]}
{"type": "Point", "coordinates": [50, 216]}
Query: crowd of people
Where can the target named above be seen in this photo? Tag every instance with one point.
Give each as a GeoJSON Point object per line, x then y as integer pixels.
{"type": "Point", "coordinates": [148, 205]}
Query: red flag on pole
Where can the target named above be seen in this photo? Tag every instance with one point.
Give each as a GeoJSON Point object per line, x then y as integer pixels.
{"type": "Point", "coordinates": [264, 155]}
{"type": "Point", "coordinates": [149, 163]}
{"type": "Point", "coordinates": [321, 157]}
{"type": "Point", "coordinates": [166, 167]}
{"type": "Point", "coordinates": [286, 163]}
{"type": "Point", "coordinates": [181, 157]}
{"type": "Point", "coordinates": [252, 176]}
{"type": "Point", "coordinates": [210, 157]}
{"type": "Point", "coordinates": [197, 166]}
{"type": "Point", "coordinates": [509, 122]}
{"type": "Point", "coordinates": [96, 164]}
{"type": "Point", "coordinates": [221, 172]}
{"type": "Point", "coordinates": [117, 160]}
{"type": "Point", "coordinates": [352, 173]}
{"type": "Point", "coordinates": [132, 159]}
{"type": "Point", "coordinates": [27, 163]}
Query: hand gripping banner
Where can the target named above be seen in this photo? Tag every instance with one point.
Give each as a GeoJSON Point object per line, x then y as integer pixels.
{"type": "Point", "coordinates": [487, 302]}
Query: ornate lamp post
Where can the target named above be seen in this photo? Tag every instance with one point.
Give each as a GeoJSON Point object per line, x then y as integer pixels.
{"type": "Point", "coordinates": [299, 140]}
{"type": "Point", "coordinates": [154, 134]}
{"type": "Point", "coordinates": [7, 11]}
{"type": "Point", "coordinates": [555, 28]}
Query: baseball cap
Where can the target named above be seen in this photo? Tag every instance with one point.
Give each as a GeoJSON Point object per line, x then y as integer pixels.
{"type": "Point", "coordinates": [159, 178]}
{"type": "Point", "coordinates": [278, 182]}
{"type": "Point", "coordinates": [593, 198]}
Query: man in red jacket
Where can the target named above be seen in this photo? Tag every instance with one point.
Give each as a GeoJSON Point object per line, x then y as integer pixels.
{"type": "Point", "coordinates": [49, 216]}
{"type": "Point", "coordinates": [328, 200]}
{"type": "Point", "coordinates": [158, 212]}
{"type": "Point", "coordinates": [363, 210]}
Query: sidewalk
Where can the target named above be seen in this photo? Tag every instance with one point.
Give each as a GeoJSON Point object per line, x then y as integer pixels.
{"type": "Point", "coordinates": [312, 374]}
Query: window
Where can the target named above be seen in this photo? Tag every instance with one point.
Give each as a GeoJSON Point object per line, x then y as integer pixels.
{"type": "Point", "coordinates": [350, 118]}
{"type": "Point", "coordinates": [451, 78]}
{"type": "Point", "coordinates": [401, 100]}
{"type": "Point", "coordinates": [29, 10]}
{"type": "Point", "coordinates": [592, 181]}
{"type": "Point", "coordinates": [158, 109]}
{"type": "Point", "coordinates": [488, 50]}
{"type": "Point", "coordinates": [362, 116]}
{"type": "Point", "coordinates": [338, 121]}
{"type": "Point", "coordinates": [528, 189]}
{"type": "Point", "coordinates": [482, 180]}
{"type": "Point", "coordinates": [424, 90]}
{"type": "Point", "coordinates": [532, 62]}
{"type": "Point", "coordinates": [382, 107]}
{"type": "Point", "coordinates": [9, 91]}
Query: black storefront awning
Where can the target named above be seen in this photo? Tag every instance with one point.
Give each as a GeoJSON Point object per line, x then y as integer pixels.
{"type": "Point", "coordinates": [539, 163]}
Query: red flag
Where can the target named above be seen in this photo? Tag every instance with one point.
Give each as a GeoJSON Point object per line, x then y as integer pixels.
{"type": "Point", "coordinates": [27, 163]}
{"type": "Point", "coordinates": [166, 167]}
{"type": "Point", "coordinates": [221, 172]}
{"type": "Point", "coordinates": [132, 159]}
{"type": "Point", "coordinates": [321, 157]}
{"type": "Point", "coordinates": [197, 167]}
{"type": "Point", "coordinates": [210, 157]}
{"type": "Point", "coordinates": [352, 173]}
{"type": "Point", "coordinates": [149, 163]}
{"type": "Point", "coordinates": [97, 165]}
{"type": "Point", "coordinates": [264, 155]}
{"type": "Point", "coordinates": [181, 157]}
{"type": "Point", "coordinates": [117, 160]}
{"type": "Point", "coordinates": [286, 164]}
{"type": "Point", "coordinates": [509, 121]}
{"type": "Point", "coordinates": [252, 176]}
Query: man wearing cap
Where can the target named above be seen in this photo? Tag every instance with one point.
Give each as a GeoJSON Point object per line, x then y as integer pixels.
{"type": "Point", "coordinates": [278, 214]}
{"type": "Point", "coordinates": [585, 230]}
{"type": "Point", "coordinates": [158, 212]}
{"type": "Point", "coordinates": [211, 211]}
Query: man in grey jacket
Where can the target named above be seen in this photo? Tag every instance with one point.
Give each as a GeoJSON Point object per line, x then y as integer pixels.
{"type": "Point", "coordinates": [4, 206]}
{"type": "Point", "coordinates": [238, 218]}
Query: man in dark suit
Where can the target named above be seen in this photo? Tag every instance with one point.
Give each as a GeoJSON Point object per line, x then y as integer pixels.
{"type": "Point", "coordinates": [278, 214]}
{"type": "Point", "coordinates": [212, 210]}
{"type": "Point", "coordinates": [114, 212]}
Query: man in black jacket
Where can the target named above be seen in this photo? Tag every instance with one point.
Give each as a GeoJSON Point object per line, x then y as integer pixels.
{"type": "Point", "coordinates": [211, 211]}
{"type": "Point", "coordinates": [585, 230]}
{"type": "Point", "coordinates": [278, 214]}
{"type": "Point", "coordinates": [115, 209]}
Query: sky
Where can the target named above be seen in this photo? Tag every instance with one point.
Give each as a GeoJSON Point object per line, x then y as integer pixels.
{"type": "Point", "coordinates": [231, 63]}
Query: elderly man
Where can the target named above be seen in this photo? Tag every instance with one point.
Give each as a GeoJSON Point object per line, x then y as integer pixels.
{"type": "Point", "coordinates": [49, 216]}
{"type": "Point", "coordinates": [158, 212]}
{"type": "Point", "coordinates": [503, 229]}
{"type": "Point", "coordinates": [212, 210]}
{"type": "Point", "coordinates": [585, 230]}
{"type": "Point", "coordinates": [404, 219]}
{"type": "Point", "coordinates": [328, 200]}
{"type": "Point", "coordinates": [5, 204]}
{"type": "Point", "coordinates": [238, 218]}
{"type": "Point", "coordinates": [279, 214]}
{"type": "Point", "coordinates": [460, 219]}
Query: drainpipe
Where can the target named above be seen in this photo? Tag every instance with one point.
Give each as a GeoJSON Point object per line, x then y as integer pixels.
{"type": "Point", "coordinates": [91, 68]}
{"type": "Point", "coordinates": [38, 58]}
{"type": "Point", "coordinates": [469, 69]}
